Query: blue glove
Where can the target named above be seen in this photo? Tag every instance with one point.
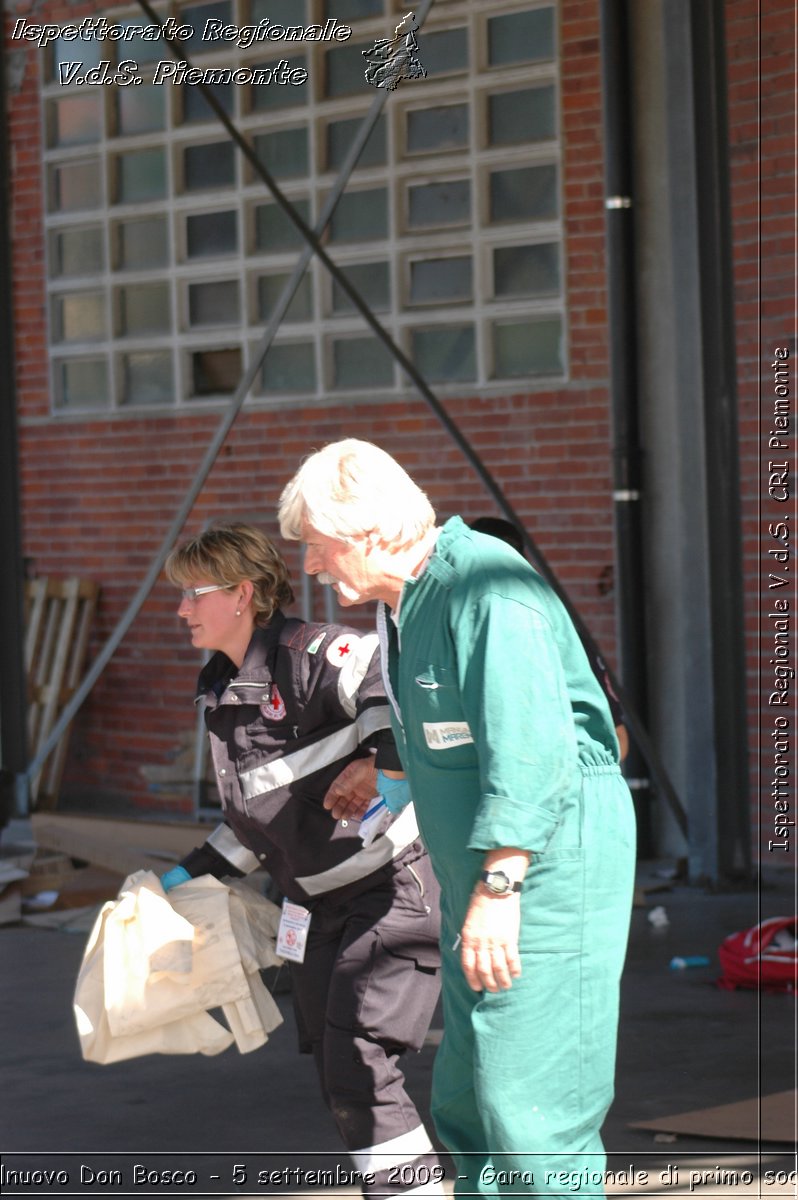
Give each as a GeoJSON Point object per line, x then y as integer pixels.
{"type": "Point", "coordinates": [395, 792]}
{"type": "Point", "coordinates": [172, 879]}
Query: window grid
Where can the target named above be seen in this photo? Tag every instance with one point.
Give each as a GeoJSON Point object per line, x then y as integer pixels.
{"type": "Point", "coordinates": [485, 312]}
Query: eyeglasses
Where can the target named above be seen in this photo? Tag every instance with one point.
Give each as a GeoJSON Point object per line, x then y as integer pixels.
{"type": "Point", "coordinates": [191, 594]}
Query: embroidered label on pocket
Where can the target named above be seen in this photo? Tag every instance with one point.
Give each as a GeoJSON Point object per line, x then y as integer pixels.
{"type": "Point", "coordinates": [443, 735]}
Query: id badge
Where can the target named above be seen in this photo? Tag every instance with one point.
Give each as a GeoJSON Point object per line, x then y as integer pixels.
{"type": "Point", "coordinates": [292, 933]}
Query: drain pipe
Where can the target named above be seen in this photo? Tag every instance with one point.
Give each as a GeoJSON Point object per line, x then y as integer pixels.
{"type": "Point", "coordinates": [627, 453]}
{"type": "Point", "coordinates": [13, 688]}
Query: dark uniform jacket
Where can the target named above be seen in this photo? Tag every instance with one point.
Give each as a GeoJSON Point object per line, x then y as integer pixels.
{"type": "Point", "coordinates": [307, 700]}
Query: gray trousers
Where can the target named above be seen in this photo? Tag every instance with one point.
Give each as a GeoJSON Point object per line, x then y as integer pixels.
{"type": "Point", "coordinates": [364, 995]}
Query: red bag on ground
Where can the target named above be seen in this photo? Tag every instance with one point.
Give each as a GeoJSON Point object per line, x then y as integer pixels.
{"type": "Point", "coordinates": [764, 956]}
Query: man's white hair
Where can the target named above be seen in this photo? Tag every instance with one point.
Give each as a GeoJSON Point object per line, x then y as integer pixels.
{"type": "Point", "coordinates": [352, 488]}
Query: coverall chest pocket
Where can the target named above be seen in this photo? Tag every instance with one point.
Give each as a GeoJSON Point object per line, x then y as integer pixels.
{"type": "Point", "coordinates": [439, 721]}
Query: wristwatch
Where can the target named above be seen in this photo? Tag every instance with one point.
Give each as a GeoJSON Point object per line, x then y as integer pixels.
{"type": "Point", "coordinates": [499, 884]}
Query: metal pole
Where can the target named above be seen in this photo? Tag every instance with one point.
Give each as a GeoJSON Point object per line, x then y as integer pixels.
{"type": "Point", "coordinates": [627, 454]}
{"type": "Point", "coordinates": [733, 812]}
{"type": "Point", "coordinates": [13, 688]}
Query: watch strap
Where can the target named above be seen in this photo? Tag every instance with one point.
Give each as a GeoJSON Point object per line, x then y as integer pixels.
{"type": "Point", "coordinates": [487, 876]}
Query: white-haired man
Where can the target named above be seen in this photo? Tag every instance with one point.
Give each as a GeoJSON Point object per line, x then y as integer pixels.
{"type": "Point", "coordinates": [512, 762]}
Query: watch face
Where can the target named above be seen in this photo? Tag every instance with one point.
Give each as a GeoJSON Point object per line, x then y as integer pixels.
{"type": "Point", "coordinates": [497, 881]}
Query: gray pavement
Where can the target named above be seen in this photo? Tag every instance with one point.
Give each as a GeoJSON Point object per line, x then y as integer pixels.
{"type": "Point", "coordinates": [684, 1045]}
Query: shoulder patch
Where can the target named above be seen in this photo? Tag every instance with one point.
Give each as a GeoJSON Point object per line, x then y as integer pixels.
{"type": "Point", "coordinates": [317, 641]}
{"type": "Point", "coordinates": [274, 709]}
{"type": "Point", "coordinates": [340, 649]}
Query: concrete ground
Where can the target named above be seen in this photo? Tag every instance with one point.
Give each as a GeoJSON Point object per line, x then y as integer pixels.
{"type": "Point", "coordinates": [684, 1044]}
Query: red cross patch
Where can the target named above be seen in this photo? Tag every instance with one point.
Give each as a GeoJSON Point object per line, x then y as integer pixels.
{"type": "Point", "coordinates": [274, 709]}
{"type": "Point", "coordinates": [340, 649]}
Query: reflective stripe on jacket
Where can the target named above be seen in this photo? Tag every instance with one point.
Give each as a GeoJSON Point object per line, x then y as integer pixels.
{"type": "Point", "coordinates": [307, 700]}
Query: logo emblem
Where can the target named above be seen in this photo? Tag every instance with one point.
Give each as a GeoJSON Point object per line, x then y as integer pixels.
{"type": "Point", "coordinates": [390, 60]}
{"type": "Point", "coordinates": [445, 735]}
{"type": "Point", "coordinates": [274, 710]}
{"type": "Point", "coordinates": [339, 650]}
{"type": "Point", "coordinates": [314, 645]}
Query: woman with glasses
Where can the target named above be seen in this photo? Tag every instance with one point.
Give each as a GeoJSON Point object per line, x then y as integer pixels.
{"type": "Point", "coordinates": [296, 714]}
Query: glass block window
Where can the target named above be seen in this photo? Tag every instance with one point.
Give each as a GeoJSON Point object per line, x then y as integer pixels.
{"type": "Point", "coordinates": [289, 367]}
{"type": "Point", "coordinates": [213, 303]}
{"type": "Point", "coordinates": [441, 280]}
{"type": "Point", "coordinates": [525, 115]}
{"type": "Point", "coordinates": [140, 110]}
{"type": "Point", "coordinates": [74, 186]}
{"type": "Point", "coordinates": [341, 134]}
{"type": "Point", "coordinates": [147, 378]}
{"type": "Point", "coordinates": [353, 10]}
{"type": "Point", "coordinates": [523, 194]}
{"type": "Point", "coordinates": [445, 354]}
{"type": "Point", "coordinates": [361, 362]}
{"type": "Point", "coordinates": [211, 234]}
{"type": "Point", "coordinates": [274, 229]}
{"type": "Point", "coordinates": [527, 347]}
{"type": "Point", "coordinates": [77, 252]}
{"type": "Point", "coordinates": [140, 175]}
{"type": "Point", "coordinates": [167, 255]}
{"type": "Point", "coordinates": [74, 120]}
{"type": "Point", "coordinates": [64, 53]}
{"type": "Point", "coordinates": [360, 216]}
{"type": "Point", "coordinates": [446, 51]}
{"type": "Point", "coordinates": [283, 152]}
{"type": "Point", "coordinates": [82, 383]}
{"type": "Point", "coordinates": [520, 37]}
{"type": "Point", "coordinates": [267, 97]}
{"type": "Point", "coordinates": [196, 108]}
{"type": "Point", "coordinates": [344, 70]}
{"type": "Point", "coordinates": [280, 12]}
{"type": "Point", "coordinates": [137, 47]}
{"type": "Point", "coordinates": [209, 166]}
{"type": "Point", "coordinates": [215, 372]}
{"type": "Point", "coordinates": [372, 280]}
{"type": "Point", "coordinates": [526, 270]}
{"type": "Point", "coordinates": [446, 203]}
{"type": "Point", "coordinates": [142, 243]}
{"type": "Point", "coordinates": [435, 129]}
{"type": "Point", "coordinates": [196, 16]}
{"type": "Point", "coordinates": [271, 287]}
{"type": "Point", "coordinates": [144, 308]}
{"type": "Point", "coordinates": [79, 317]}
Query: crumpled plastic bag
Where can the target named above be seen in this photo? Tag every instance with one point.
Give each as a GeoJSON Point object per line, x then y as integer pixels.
{"type": "Point", "coordinates": [154, 965]}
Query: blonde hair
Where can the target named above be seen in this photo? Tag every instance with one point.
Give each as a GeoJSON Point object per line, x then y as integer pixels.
{"type": "Point", "coordinates": [351, 488]}
{"type": "Point", "coordinates": [230, 554]}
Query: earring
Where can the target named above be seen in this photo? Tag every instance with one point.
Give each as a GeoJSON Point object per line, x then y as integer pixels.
{"type": "Point", "coordinates": [238, 612]}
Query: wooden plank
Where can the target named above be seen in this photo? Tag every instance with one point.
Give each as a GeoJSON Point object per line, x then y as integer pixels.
{"type": "Point", "coordinates": [116, 843]}
{"type": "Point", "coordinates": [54, 666]}
{"type": "Point", "coordinates": [78, 645]}
{"type": "Point", "coordinates": [59, 615]}
{"type": "Point", "coordinates": [35, 602]}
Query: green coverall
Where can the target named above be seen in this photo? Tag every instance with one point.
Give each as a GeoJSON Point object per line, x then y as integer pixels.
{"type": "Point", "coordinates": [507, 741]}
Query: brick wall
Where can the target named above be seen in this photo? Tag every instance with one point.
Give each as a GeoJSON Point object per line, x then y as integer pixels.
{"type": "Point", "coordinates": [98, 495]}
{"type": "Point", "coordinates": [762, 83]}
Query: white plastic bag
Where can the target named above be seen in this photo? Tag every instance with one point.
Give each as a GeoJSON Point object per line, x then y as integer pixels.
{"type": "Point", "coordinates": [154, 964]}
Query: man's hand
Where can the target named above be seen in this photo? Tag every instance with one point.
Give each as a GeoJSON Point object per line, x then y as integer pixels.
{"type": "Point", "coordinates": [349, 795]}
{"type": "Point", "coordinates": [489, 953]}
